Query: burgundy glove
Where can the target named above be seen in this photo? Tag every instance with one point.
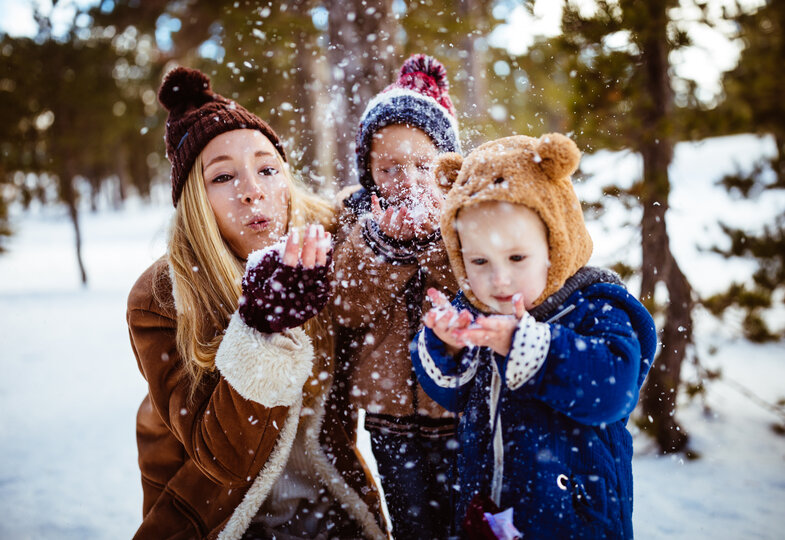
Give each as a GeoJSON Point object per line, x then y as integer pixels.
{"type": "Point", "coordinates": [277, 296]}
{"type": "Point", "coordinates": [475, 524]}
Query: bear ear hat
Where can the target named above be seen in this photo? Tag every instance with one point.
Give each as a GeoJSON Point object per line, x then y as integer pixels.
{"type": "Point", "coordinates": [559, 155]}
{"type": "Point", "coordinates": [448, 166]}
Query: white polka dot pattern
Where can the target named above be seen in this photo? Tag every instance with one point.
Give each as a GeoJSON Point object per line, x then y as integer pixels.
{"type": "Point", "coordinates": [528, 352]}
{"type": "Point", "coordinates": [436, 375]}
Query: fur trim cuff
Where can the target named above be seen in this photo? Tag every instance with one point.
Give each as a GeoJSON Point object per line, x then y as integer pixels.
{"type": "Point", "coordinates": [350, 500]}
{"type": "Point", "coordinates": [270, 369]}
{"type": "Point", "coordinates": [260, 489]}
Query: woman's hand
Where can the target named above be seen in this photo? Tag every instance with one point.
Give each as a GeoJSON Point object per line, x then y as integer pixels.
{"type": "Point", "coordinates": [283, 291]}
{"type": "Point", "coordinates": [314, 250]}
{"type": "Point", "coordinates": [495, 331]}
{"type": "Point", "coordinates": [446, 322]}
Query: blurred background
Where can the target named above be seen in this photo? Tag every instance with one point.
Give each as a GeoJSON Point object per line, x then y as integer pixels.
{"type": "Point", "coordinates": [677, 104]}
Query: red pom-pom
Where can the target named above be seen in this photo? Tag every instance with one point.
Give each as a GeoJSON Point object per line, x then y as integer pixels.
{"type": "Point", "coordinates": [429, 66]}
{"type": "Point", "coordinates": [184, 88]}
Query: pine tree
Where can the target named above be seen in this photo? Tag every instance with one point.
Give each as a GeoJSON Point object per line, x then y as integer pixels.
{"type": "Point", "coordinates": [753, 102]}
{"type": "Point", "coordinates": [65, 117]}
{"type": "Point", "coordinates": [622, 97]}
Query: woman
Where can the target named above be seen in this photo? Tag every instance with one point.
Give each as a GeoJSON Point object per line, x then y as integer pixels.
{"type": "Point", "coordinates": [237, 437]}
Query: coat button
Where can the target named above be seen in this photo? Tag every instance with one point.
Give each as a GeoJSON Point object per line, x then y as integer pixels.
{"type": "Point", "coordinates": [561, 481]}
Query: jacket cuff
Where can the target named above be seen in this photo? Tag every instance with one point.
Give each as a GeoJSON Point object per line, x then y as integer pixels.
{"type": "Point", "coordinates": [529, 350]}
{"type": "Point", "coordinates": [439, 368]}
{"type": "Point", "coordinates": [269, 369]}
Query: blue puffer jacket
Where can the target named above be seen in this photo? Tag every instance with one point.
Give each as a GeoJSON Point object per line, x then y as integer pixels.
{"type": "Point", "coordinates": [562, 411]}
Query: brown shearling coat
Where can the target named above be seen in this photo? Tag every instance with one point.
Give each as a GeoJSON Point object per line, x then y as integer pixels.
{"type": "Point", "coordinates": [208, 463]}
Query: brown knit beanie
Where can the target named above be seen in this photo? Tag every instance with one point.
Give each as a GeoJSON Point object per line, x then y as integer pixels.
{"type": "Point", "coordinates": [521, 170]}
{"type": "Point", "coordinates": [196, 116]}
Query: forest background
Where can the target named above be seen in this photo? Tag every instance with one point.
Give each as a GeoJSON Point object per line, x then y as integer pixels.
{"type": "Point", "coordinates": [81, 127]}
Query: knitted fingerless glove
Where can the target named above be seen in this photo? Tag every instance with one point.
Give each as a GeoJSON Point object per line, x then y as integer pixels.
{"type": "Point", "coordinates": [277, 296]}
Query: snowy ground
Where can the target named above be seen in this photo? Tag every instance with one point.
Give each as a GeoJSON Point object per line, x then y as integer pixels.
{"type": "Point", "coordinates": [71, 387]}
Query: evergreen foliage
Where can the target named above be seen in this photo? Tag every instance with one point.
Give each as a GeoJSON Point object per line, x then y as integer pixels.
{"type": "Point", "coordinates": [81, 119]}
{"type": "Point", "coordinates": [753, 102]}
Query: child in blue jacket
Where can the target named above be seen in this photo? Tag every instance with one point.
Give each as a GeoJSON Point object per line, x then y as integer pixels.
{"type": "Point", "coordinates": [543, 356]}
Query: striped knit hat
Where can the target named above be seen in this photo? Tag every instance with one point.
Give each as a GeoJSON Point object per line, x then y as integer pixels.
{"type": "Point", "coordinates": [196, 116]}
{"type": "Point", "coordinates": [419, 98]}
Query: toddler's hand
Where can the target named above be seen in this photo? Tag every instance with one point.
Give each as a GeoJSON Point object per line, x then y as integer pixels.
{"type": "Point", "coordinates": [446, 322]}
{"type": "Point", "coordinates": [396, 221]}
{"type": "Point", "coordinates": [426, 210]}
{"type": "Point", "coordinates": [495, 331]}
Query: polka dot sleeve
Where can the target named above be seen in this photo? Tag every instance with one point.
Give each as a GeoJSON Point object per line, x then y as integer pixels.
{"type": "Point", "coordinates": [528, 352]}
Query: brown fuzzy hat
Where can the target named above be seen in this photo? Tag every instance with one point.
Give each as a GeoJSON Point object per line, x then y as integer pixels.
{"type": "Point", "coordinates": [196, 116]}
{"type": "Point", "coordinates": [527, 171]}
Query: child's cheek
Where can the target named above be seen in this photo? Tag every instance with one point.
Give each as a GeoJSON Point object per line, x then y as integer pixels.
{"type": "Point", "coordinates": [479, 284]}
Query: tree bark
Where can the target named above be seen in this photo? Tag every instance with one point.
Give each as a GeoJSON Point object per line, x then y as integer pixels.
{"type": "Point", "coordinates": [69, 198]}
{"type": "Point", "coordinates": [658, 264]}
{"type": "Point", "coordinates": [475, 83]}
{"type": "Point", "coordinates": [779, 160]}
{"type": "Point", "coordinates": [306, 102]}
{"type": "Point", "coordinates": [123, 176]}
{"type": "Point", "coordinates": [361, 64]}
{"type": "Point", "coordinates": [658, 401]}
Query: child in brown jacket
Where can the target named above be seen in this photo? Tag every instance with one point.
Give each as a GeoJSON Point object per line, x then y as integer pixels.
{"type": "Point", "coordinates": [388, 252]}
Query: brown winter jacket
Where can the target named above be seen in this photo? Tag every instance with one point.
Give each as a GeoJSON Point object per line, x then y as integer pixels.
{"type": "Point", "coordinates": [372, 317]}
{"type": "Point", "coordinates": [208, 463]}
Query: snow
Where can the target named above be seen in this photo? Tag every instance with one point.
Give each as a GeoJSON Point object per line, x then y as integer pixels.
{"type": "Point", "coordinates": [737, 488]}
{"type": "Point", "coordinates": [697, 204]}
{"type": "Point", "coordinates": [71, 386]}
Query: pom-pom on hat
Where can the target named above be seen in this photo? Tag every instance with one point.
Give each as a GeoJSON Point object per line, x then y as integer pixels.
{"type": "Point", "coordinates": [521, 170]}
{"type": "Point", "coordinates": [196, 116]}
{"type": "Point", "coordinates": [419, 98]}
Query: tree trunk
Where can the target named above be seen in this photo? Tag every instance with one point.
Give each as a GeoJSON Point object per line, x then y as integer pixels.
{"type": "Point", "coordinates": [139, 175]}
{"type": "Point", "coordinates": [123, 176]}
{"type": "Point", "coordinates": [779, 130]}
{"type": "Point", "coordinates": [475, 106]}
{"type": "Point", "coordinates": [779, 160]}
{"type": "Point", "coordinates": [304, 101]}
{"type": "Point", "coordinates": [361, 64]}
{"type": "Point", "coordinates": [69, 198]}
{"type": "Point", "coordinates": [658, 264]}
{"type": "Point", "coordinates": [321, 124]}
{"type": "Point", "coordinates": [661, 390]}
{"type": "Point", "coordinates": [95, 191]}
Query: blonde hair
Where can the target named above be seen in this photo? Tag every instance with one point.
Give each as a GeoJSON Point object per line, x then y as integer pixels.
{"type": "Point", "coordinates": [206, 274]}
